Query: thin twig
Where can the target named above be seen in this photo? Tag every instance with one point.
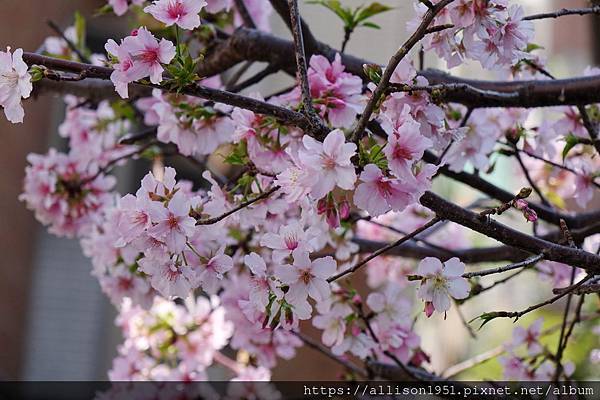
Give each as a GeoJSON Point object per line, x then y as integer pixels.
{"type": "Point", "coordinates": [264, 195]}
{"type": "Point", "coordinates": [71, 45]}
{"type": "Point", "coordinates": [301, 64]}
{"type": "Point", "coordinates": [518, 314]}
{"type": "Point", "coordinates": [377, 253]}
{"type": "Point", "coordinates": [563, 12]}
{"type": "Point", "coordinates": [391, 67]}
{"type": "Point", "coordinates": [510, 267]}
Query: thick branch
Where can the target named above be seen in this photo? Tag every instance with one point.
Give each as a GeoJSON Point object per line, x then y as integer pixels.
{"type": "Point", "coordinates": [552, 251]}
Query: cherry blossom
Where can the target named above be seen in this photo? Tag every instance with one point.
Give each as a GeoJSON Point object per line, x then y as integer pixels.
{"type": "Point", "coordinates": [15, 84]}
{"type": "Point", "coordinates": [378, 194]}
{"type": "Point", "coordinates": [306, 277]}
{"type": "Point", "coordinates": [139, 56]}
{"type": "Point", "coordinates": [329, 163]}
{"type": "Point", "coordinates": [529, 336]}
{"type": "Point", "coordinates": [171, 224]}
{"type": "Point", "coordinates": [184, 13]}
{"type": "Point", "coordinates": [405, 146]}
{"type": "Point", "coordinates": [441, 282]}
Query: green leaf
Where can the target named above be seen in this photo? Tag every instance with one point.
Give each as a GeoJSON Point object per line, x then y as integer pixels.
{"type": "Point", "coordinates": [239, 155]}
{"type": "Point", "coordinates": [80, 27]}
{"type": "Point", "coordinates": [370, 25]}
{"type": "Point", "coordinates": [371, 10]}
{"type": "Point", "coordinates": [571, 141]}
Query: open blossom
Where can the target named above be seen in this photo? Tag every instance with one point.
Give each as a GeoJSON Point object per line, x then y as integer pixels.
{"type": "Point", "coordinates": [528, 336]}
{"type": "Point", "coordinates": [289, 238]}
{"type": "Point", "coordinates": [15, 84]}
{"type": "Point", "coordinates": [441, 282]}
{"type": "Point", "coordinates": [378, 194]}
{"type": "Point", "coordinates": [139, 56]}
{"type": "Point", "coordinates": [336, 94]}
{"type": "Point", "coordinates": [305, 277]}
{"type": "Point", "coordinates": [184, 13]}
{"type": "Point", "coordinates": [212, 270]}
{"type": "Point", "coordinates": [330, 162]}
{"type": "Point", "coordinates": [333, 324]}
{"type": "Point", "coordinates": [405, 147]}
{"type": "Point", "coordinates": [192, 135]}
{"type": "Point", "coordinates": [169, 275]}
{"type": "Point", "coordinates": [173, 224]}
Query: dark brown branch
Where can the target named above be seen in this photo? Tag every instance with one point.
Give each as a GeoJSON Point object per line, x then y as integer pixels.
{"type": "Point", "coordinates": [92, 71]}
{"type": "Point", "coordinates": [252, 45]}
{"type": "Point", "coordinates": [579, 220]}
{"type": "Point", "coordinates": [301, 68]}
{"type": "Point", "coordinates": [553, 252]}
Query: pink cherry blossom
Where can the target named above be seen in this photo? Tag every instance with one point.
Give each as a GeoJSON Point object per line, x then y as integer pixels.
{"type": "Point", "coordinates": [290, 237]}
{"type": "Point", "coordinates": [15, 84]}
{"type": "Point", "coordinates": [306, 277]}
{"type": "Point", "coordinates": [172, 223]}
{"type": "Point", "coordinates": [405, 146]}
{"type": "Point", "coordinates": [441, 282]}
{"type": "Point", "coordinates": [529, 336]}
{"type": "Point", "coordinates": [378, 194]}
{"type": "Point", "coordinates": [169, 275]}
{"type": "Point", "coordinates": [184, 13]}
{"type": "Point", "coordinates": [330, 162]}
{"type": "Point", "coordinates": [139, 56]}
{"type": "Point", "coordinates": [336, 94]}
{"type": "Point", "coordinates": [333, 324]}
{"type": "Point", "coordinates": [212, 269]}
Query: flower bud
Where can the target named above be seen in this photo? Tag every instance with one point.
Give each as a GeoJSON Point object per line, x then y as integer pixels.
{"type": "Point", "coordinates": [529, 214]}
{"type": "Point", "coordinates": [429, 309]}
{"type": "Point", "coordinates": [344, 209]}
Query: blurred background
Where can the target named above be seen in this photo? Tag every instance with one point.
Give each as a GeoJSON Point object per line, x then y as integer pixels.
{"type": "Point", "coordinates": [55, 324]}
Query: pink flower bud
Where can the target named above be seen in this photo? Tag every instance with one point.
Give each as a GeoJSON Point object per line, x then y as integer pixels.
{"type": "Point", "coordinates": [344, 209]}
{"type": "Point", "coordinates": [356, 299]}
{"type": "Point", "coordinates": [419, 358]}
{"type": "Point", "coordinates": [529, 214]}
{"type": "Point", "coordinates": [429, 309]}
{"type": "Point", "coordinates": [355, 330]}
{"type": "Point", "coordinates": [322, 206]}
{"type": "Point", "coordinates": [520, 204]}
{"type": "Point", "coordinates": [332, 218]}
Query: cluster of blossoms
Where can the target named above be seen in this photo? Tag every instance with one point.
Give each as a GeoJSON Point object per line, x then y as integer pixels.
{"type": "Point", "coordinates": [530, 364]}
{"type": "Point", "coordinates": [491, 32]}
{"type": "Point", "coordinates": [196, 271]}
{"type": "Point", "coordinates": [171, 342]}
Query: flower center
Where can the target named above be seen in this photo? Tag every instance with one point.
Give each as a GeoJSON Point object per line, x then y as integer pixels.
{"type": "Point", "coordinates": [175, 9]}
{"type": "Point", "coordinates": [328, 162]}
{"type": "Point", "coordinates": [305, 276]}
{"type": "Point", "coordinates": [402, 152]}
{"type": "Point", "coordinates": [173, 221]}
